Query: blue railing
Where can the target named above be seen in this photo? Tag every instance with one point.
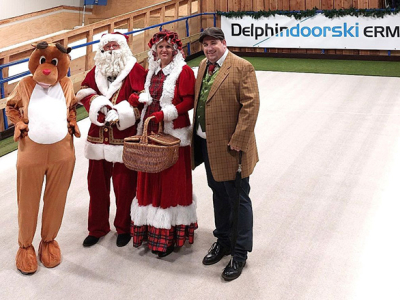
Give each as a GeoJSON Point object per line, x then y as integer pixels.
{"type": "Point", "coordinates": [16, 76]}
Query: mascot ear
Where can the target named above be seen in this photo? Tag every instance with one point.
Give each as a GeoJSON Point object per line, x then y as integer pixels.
{"type": "Point", "coordinates": [41, 45]}
{"type": "Point", "coordinates": [63, 49]}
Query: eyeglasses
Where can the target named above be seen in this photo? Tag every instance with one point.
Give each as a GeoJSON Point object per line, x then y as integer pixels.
{"type": "Point", "coordinates": [111, 46]}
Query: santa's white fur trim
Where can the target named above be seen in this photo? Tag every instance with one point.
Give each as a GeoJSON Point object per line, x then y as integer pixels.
{"type": "Point", "coordinates": [111, 153]}
{"type": "Point", "coordinates": [126, 115]}
{"type": "Point", "coordinates": [170, 112]}
{"type": "Point", "coordinates": [103, 85]}
{"type": "Point", "coordinates": [95, 106]}
{"type": "Point", "coordinates": [83, 93]}
{"type": "Point", "coordinates": [113, 37]}
{"type": "Point", "coordinates": [163, 217]}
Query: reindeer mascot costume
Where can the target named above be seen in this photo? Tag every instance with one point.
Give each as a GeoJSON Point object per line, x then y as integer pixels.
{"type": "Point", "coordinates": [42, 107]}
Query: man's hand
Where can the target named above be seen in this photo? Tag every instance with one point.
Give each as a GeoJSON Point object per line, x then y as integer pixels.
{"type": "Point", "coordinates": [112, 117]}
{"type": "Point", "coordinates": [104, 110]}
{"type": "Point", "coordinates": [102, 114]}
{"type": "Point", "coordinates": [233, 148]}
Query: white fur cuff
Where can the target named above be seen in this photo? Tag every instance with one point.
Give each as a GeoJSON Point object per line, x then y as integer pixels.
{"type": "Point", "coordinates": [83, 93]}
{"type": "Point", "coordinates": [95, 106]}
{"type": "Point", "coordinates": [126, 115]}
{"type": "Point", "coordinates": [170, 112]}
{"type": "Point", "coordinates": [184, 134]}
{"type": "Point", "coordinates": [145, 98]}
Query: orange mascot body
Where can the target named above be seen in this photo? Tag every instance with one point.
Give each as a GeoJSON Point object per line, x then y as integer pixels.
{"type": "Point", "coordinates": [43, 110]}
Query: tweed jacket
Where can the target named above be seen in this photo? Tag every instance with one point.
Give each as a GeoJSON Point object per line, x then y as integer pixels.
{"type": "Point", "coordinates": [231, 113]}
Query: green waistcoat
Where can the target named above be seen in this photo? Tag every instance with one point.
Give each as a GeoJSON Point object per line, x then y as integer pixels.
{"type": "Point", "coordinates": [206, 85]}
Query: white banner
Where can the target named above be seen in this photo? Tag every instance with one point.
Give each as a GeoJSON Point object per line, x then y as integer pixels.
{"type": "Point", "coordinates": [317, 32]}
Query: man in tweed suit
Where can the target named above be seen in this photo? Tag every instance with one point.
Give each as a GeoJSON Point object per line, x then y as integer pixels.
{"type": "Point", "coordinates": [225, 113]}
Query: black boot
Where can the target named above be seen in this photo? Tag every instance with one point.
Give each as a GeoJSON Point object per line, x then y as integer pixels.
{"type": "Point", "coordinates": [123, 239]}
{"type": "Point", "coordinates": [90, 240]}
{"type": "Point", "coordinates": [166, 253]}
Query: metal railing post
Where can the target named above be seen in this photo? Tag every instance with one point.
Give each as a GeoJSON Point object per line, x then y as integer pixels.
{"type": "Point", "coordinates": [187, 34]}
{"type": "Point", "coordinates": [3, 95]}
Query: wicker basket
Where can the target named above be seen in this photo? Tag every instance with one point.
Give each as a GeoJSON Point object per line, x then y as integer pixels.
{"type": "Point", "coordinates": [150, 153]}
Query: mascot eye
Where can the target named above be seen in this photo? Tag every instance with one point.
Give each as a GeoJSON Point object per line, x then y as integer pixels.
{"type": "Point", "coordinates": [42, 60]}
{"type": "Point", "coordinates": [54, 61]}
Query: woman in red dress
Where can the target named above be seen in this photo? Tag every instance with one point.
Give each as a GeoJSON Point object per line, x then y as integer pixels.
{"type": "Point", "coordinates": [163, 211]}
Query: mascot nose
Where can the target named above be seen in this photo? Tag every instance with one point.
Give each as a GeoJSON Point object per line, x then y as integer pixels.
{"type": "Point", "coordinates": [46, 71]}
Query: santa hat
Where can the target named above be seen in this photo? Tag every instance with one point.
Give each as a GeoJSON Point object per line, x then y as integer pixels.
{"type": "Point", "coordinates": [117, 37]}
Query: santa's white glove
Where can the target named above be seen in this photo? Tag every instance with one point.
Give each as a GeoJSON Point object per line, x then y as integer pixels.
{"type": "Point", "coordinates": [145, 98]}
{"type": "Point", "coordinates": [112, 116]}
{"type": "Point", "coordinates": [104, 110]}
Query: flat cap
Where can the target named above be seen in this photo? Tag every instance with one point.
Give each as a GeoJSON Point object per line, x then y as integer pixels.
{"type": "Point", "coordinates": [214, 32]}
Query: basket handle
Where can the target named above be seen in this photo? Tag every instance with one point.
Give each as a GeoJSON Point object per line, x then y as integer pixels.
{"type": "Point", "coordinates": [130, 139]}
{"type": "Point", "coordinates": [144, 138]}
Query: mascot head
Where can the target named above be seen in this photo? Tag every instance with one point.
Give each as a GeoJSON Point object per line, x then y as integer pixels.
{"type": "Point", "coordinates": [49, 63]}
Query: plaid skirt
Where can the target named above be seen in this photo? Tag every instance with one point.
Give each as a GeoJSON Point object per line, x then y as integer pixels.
{"type": "Point", "coordinates": [158, 239]}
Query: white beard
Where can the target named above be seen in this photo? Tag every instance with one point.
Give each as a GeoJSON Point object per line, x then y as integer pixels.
{"type": "Point", "coordinates": [111, 63]}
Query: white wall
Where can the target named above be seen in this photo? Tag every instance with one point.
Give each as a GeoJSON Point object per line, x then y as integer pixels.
{"type": "Point", "coordinates": [13, 8]}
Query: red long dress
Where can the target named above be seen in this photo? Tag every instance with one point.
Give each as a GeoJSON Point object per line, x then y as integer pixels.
{"type": "Point", "coordinates": [164, 200]}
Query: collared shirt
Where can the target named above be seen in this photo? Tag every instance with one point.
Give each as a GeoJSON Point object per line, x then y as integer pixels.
{"type": "Point", "coordinates": [219, 63]}
{"type": "Point", "coordinates": [166, 70]}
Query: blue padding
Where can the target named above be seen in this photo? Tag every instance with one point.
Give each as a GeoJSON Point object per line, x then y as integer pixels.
{"type": "Point", "coordinates": [95, 2]}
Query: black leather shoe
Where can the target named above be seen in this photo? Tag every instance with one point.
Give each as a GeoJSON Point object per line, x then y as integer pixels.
{"type": "Point", "coordinates": [166, 253]}
{"type": "Point", "coordinates": [90, 241]}
{"type": "Point", "coordinates": [123, 239]}
{"type": "Point", "coordinates": [215, 254]}
{"type": "Point", "coordinates": [233, 270]}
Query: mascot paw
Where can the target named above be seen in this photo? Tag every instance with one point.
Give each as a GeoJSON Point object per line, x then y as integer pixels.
{"type": "Point", "coordinates": [73, 129]}
{"type": "Point", "coordinates": [20, 131]}
{"type": "Point", "coordinates": [26, 260]}
{"type": "Point", "coordinates": [49, 254]}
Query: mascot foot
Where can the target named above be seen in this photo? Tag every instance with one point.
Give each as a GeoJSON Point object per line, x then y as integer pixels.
{"type": "Point", "coordinates": [26, 260]}
{"type": "Point", "coordinates": [49, 254]}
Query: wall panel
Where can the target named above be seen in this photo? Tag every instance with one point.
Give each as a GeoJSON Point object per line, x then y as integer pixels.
{"type": "Point", "coordinates": [256, 5]}
{"type": "Point", "coordinates": [35, 27]}
{"type": "Point", "coordinates": [245, 5]}
{"type": "Point", "coordinates": [119, 7]}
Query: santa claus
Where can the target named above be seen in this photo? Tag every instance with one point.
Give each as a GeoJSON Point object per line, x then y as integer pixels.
{"type": "Point", "coordinates": [105, 94]}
